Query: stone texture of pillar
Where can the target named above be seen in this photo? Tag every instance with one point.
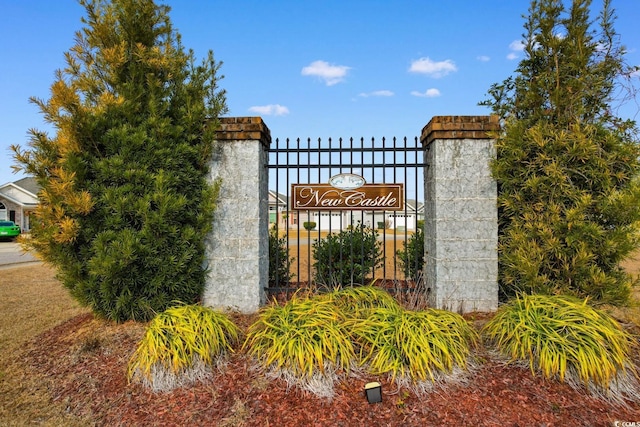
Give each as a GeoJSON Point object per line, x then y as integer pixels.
{"type": "Point", "coordinates": [238, 246]}
{"type": "Point", "coordinates": [461, 219]}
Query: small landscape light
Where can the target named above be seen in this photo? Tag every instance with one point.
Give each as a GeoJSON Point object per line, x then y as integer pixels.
{"type": "Point", "coordinates": [373, 391]}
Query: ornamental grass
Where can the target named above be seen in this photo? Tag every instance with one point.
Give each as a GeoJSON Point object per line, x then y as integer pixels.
{"type": "Point", "coordinates": [311, 341]}
{"type": "Point", "coordinates": [357, 301]}
{"type": "Point", "coordinates": [304, 342]}
{"type": "Point", "coordinates": [565, 338]}
{"type": "Point", "coordinates": [180, 346]}
{"type": "Point", "coordinates": [414, 347]}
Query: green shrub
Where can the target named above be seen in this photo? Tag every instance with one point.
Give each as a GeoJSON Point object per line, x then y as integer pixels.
{"type": "Point", "coordinates": [303, 341]}
{"type": "Point", "coordinates": [279, 260]}
{"type": "Point", "coordinates": [180, 346]}
{"type": "Point", "coordinates": [412, 256]}
{"type": "Point", "coordinates": [348, 257]}
{"type": "Point", "coordinates": [566, 165]}
{"type": "Point", "coordinates": [413, 346]}
{"type": "Point", "coordinates": [309, 225]}
{"type": "Point", "coordinates": [563, 337]}
{"type": "Point", "coordinates": [126, 200]}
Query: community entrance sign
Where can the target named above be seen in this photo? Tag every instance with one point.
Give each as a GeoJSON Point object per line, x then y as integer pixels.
{"type": "Point", "coordinates": [446, 182]}
{"type": "Point", "coordinates": [348, 191]}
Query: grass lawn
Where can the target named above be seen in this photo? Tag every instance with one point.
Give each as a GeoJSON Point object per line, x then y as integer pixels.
{"type": "Point", "coordinates": [32, 301]}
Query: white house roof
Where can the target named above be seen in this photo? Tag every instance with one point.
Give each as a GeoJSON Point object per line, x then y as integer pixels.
{"type": "Point", "coordinates": [278, 199]}
{"type": "Point", "coordinates": [23, 192]}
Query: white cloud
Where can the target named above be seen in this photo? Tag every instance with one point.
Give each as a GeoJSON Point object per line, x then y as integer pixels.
{"type": "Point", "coordinates": [429, 93]}
{"type": "Point", "coordinates": [270, 110]}
{"type": "Point", "coordinates": [331, 74]}
{"type": "Point", "coordinates": [432, 68]}
{"type": "Point", "coordinates": [601, 48]}
{"type": "Point", "coordinates": [515, 47]}
{"type": "Point", "coordinates": [377, 93]}
{"type": "Point", "coordinates": [483, 58]}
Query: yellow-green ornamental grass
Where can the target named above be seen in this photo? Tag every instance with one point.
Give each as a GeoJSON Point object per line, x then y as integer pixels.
{"type": "Point", "coordinates": [180, 346]}
{"type": "Point", "coordinates": [302, 336]}
{"type": "Point", "coordinates": [304, 341]}
{"type": "Point", "coordinates": [419, 345]}
{"type": "Point", "coordinates": [563, 337]}
{"type": "Point", "coordinates": [312, 338]}
{"type": "Point", "coordinates": [357, 302]}
{"type": "Point", "coordinates": [313, 341]}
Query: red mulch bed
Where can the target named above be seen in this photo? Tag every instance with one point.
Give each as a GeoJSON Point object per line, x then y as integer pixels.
{"type": "Point", "coordinates": [85, 362]}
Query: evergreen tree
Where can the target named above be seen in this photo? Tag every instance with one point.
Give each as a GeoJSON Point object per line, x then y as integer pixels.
{"type": "Point", "coordinates": [566, 167]}
{"type": "Point", "coordinates": [125, 203]}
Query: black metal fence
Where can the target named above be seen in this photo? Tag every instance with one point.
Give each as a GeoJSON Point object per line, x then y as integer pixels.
{"type": "Point", "coordinates": [384, 161]}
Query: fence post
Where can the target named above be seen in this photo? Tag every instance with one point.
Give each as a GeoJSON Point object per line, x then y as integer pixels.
{"type": "Point", "coordinates": [238, 246]}
{"type": "Point", "coordinates": [461, 218]}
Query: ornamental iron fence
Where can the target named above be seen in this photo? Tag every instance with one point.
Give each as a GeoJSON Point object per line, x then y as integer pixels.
{"type": "Point", "coordinates": [345, 212]}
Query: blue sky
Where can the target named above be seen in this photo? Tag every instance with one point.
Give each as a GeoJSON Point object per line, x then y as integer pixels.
{"type": "Point", "coordinates": [319, 69]}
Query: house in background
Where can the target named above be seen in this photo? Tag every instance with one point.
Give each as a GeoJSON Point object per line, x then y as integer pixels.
{"type": "Point", "coordinates": [407, 218]}
{"type": "Point", "coordinates": [279, 210]}
{"type": "Point", "coordinates": [18, 200]}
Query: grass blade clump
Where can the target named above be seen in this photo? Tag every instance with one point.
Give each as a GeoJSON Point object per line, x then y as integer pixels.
{"type": "Point", "coordinates": [304, 341]}
{"type": "Point", "coordinates": [565, 338]}
{"type": "Point", "coordinates": [180, 346]}
{"type": "Point", "coordinates": [358, 301]}
{"type": "Point", "coordinates": [414, 347]}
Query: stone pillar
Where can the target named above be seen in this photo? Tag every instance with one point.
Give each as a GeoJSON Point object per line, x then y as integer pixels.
{"type": "Point", "coordinates": [238, 246]}
{"type": "Point", "coordinates": [461, 218]}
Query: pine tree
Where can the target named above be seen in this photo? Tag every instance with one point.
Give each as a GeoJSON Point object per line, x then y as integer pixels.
{"type": "Point", "coordinates": [566, 167]}
{"type": "Point", "coordinates": [125, 203]}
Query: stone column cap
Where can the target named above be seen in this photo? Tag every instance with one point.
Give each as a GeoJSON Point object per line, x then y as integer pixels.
{"type": "Point", "coordinates": [243, 129]}
{"type": "Point", "coordinates": [459, 127]}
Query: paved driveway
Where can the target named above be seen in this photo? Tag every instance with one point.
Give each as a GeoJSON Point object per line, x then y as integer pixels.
{"type": "Point", "coordinates": [11, 255]}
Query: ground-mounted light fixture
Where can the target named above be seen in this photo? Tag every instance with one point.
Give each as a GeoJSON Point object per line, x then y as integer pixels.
{"type": "Point", "coordinates": [373, 391]}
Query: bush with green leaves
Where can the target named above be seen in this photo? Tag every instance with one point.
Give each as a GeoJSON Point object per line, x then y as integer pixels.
{"type": "Point", "coordinates": [303, 341]}
{"type": "Point", "coordinates": [181, 346]}
{"type": "Point", "coordinates": [565, 338]}
{"type": "Point", "coordinates": [309, 225]}
{"type": "Point", "coordinates": [412, 256]}
{"type": "Point", "coordinates": [416, 348]}
{"type": "Point", "coordinates": [279, 259]}
{"type": "Point", "coordinates": [126, 202]}
{"type": "Point", "coordinates": [567, 168]}
{"type": "Point", "coordinates": [347, 258]}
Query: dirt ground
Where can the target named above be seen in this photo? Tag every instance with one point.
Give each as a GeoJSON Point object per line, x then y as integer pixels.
{"type": "Point", "coordinates": [303, 257]}
{"type": "Point", "coordinates": [632, 264]}
{"type": "Point", "coordinates": [72, 373]}
{"type": "Point", "coordinates": [84, 362]}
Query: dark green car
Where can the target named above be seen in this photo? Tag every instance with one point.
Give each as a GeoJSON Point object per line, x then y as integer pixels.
{"type": "Point", "coordinates": [9, 230]}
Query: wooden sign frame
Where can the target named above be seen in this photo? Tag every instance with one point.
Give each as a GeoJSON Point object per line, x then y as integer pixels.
{"type": "Point", "coordinates": [370, 197]}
